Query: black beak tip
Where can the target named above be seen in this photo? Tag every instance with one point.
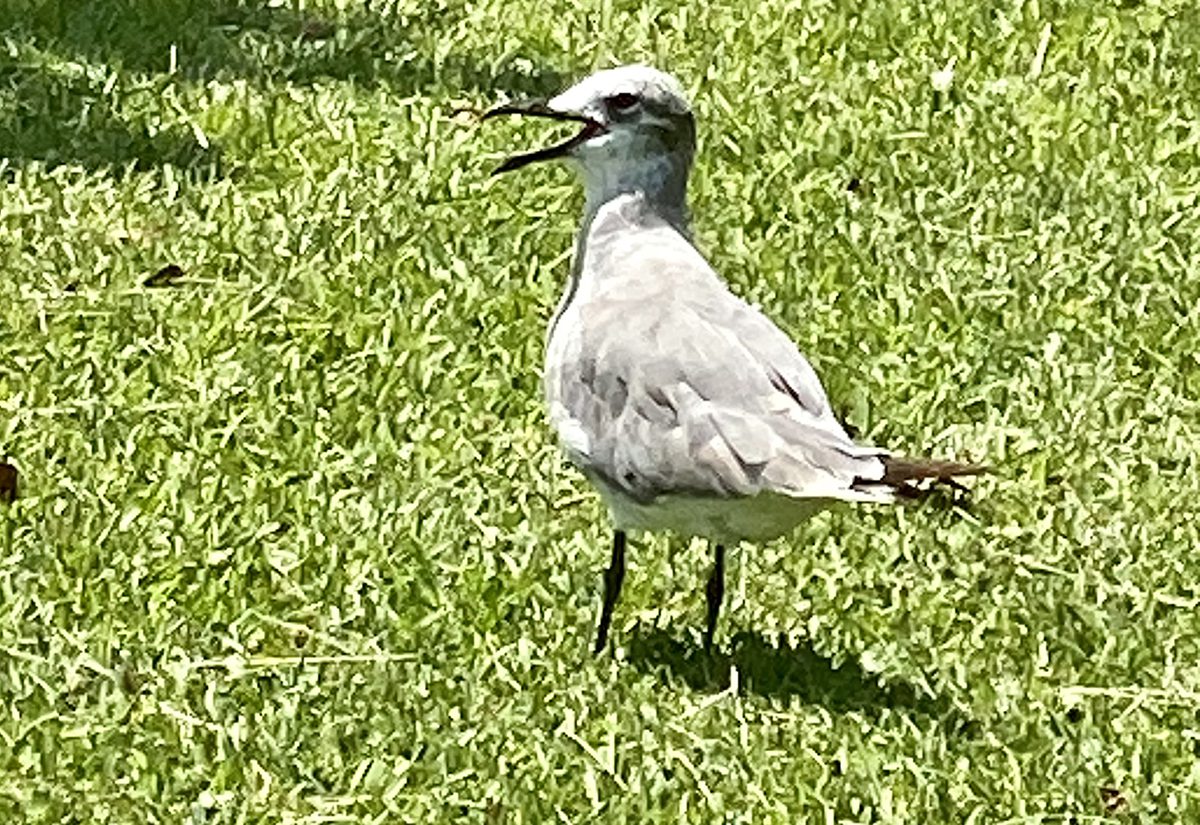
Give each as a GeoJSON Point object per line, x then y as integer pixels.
{"type": "Point", "coordinates": [534, 107]}
{"type": "Point", "coordinates": [506, 166]}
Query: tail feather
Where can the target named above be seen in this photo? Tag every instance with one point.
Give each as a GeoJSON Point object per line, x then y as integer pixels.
{"type": "Point", "coordinates": [901, 469]}
{"type": "Point", "coordinates": [899, 473]}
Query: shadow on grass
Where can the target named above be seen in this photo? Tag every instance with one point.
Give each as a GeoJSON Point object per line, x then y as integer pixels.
{"type": "Point", "coordinates": [82, 80]}
{"type": "Point", "coordinates": [58, 117]}
{"type": "Point", "coordinates": [778, 671]}
{"type": "Point", "coordinates": [234, 38]}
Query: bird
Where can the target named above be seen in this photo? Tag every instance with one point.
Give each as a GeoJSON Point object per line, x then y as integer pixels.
{"type": "Point", "coordinates": [687, 408]}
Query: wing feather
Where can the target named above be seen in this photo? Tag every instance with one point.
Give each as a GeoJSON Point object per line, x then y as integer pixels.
{"type": "Point", "coordinates": [682, 387]}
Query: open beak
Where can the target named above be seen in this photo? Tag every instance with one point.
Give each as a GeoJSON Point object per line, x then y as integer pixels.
{"type": "Point", "coordinates": [539, 108]}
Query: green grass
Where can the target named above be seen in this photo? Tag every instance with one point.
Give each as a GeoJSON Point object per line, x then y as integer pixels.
{"type": "Point", "coordinates": [294, 543]}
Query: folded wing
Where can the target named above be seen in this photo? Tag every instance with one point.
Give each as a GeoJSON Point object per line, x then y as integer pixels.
{"type": "Point", "coordinates": [672, 384]}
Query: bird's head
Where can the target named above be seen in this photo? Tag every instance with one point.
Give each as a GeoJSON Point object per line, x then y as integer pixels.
{"type": "Point", "coordinates": [635, 123]}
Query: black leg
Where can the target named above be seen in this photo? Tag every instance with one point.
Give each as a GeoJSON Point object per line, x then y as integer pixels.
{"type": "Point", "coordinates": [715, 591]}
{"type": "Point", "coordinates": [612, 588]}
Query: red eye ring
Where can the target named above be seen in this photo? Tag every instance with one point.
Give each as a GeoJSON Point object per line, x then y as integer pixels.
{"type": "Point", "coordinates": [623, 101]}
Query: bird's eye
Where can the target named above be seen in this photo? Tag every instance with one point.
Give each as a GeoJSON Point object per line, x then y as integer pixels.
{"type": "Point", "coordinates": [623, 102]}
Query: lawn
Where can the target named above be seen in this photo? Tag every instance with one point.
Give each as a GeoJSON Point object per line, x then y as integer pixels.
{"type": "Point", "coordinates": [293, 542]}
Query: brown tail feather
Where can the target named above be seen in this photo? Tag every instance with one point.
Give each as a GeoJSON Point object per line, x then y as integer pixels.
{"type": "Point", "coordinates": [900, 469]}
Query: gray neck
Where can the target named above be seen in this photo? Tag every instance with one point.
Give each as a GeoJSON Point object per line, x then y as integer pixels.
{"type": "Point", "coordinates": [660, 181]}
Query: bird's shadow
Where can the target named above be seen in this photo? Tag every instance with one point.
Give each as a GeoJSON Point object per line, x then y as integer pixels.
{"type": "Point", "coordinates": [780, 670]}
{"type": "Point", "coordinates": [82, 81]}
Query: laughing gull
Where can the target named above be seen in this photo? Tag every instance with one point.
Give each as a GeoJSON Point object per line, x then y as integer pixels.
{"type": "Point", "coordinates": [687, 408]}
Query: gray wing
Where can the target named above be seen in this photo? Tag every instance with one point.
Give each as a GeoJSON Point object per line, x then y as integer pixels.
{"type": "Point", "coordinates": [672, 384]}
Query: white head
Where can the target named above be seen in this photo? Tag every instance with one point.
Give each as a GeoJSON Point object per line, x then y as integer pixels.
{"type": "Point", "coordinates": [637, 134]}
